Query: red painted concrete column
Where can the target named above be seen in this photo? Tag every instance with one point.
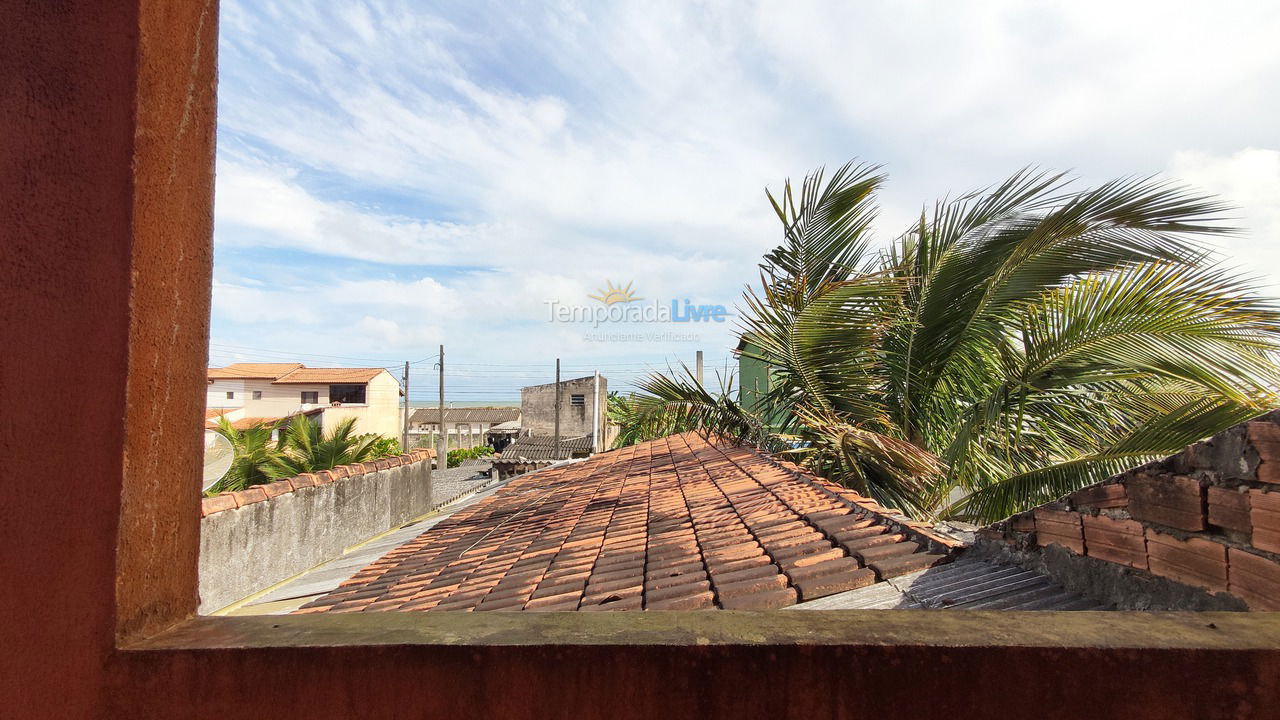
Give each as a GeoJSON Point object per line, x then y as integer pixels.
{"type": "Point", "coordinates": [105, 188]}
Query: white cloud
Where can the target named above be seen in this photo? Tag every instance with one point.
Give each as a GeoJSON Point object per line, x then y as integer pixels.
{"type": "Point", "coordinates": [550, 148]}
{"type": "Point", "coordinates": [1250, 180]}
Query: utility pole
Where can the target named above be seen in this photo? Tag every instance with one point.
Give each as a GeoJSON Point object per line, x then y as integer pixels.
{"type": "Point", "coordinates": [698, 364]}
{"type": "Point", "coordinates": [404, 442]}
{"type": "Point", "coordinates": [557, 431]}
{"type": "Point", "coordinates": [595, 415]}
{"type": "Point", "coordinates": [443, 442]}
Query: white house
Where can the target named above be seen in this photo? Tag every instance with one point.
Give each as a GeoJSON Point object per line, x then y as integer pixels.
{"type": "Point", "coordinates": [278, 390]}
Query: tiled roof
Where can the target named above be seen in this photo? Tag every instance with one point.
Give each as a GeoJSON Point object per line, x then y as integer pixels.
{"type": "Point", "coordinates": [488, 415]}
{"type": "Point", "coordinates": [673, 524]}
{"type": "Point", "coordinates": [534, 447]}
{"type": "Point", "coordinates": [318, 376]}
{"type": "Point", "coordinates": [252, 371]}
{"type": "Point", "coordinates": [292, 373]}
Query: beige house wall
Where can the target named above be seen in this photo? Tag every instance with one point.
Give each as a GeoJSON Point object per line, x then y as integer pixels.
{"type": "Point", "coordinates": [379, 414]}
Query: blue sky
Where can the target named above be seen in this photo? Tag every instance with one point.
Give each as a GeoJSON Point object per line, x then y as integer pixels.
{"type": "Point", "coordinates": [393, 176]}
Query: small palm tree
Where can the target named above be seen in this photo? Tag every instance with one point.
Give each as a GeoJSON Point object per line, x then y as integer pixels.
{"type": "Point", "coordinates": [254, 459]}
{"type": "Point", "coordinates": [306, 449]}
{"type": "Point", "coordinates": [1015, 344]}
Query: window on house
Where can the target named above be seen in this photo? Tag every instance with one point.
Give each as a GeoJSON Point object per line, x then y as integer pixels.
{"type": "Point", "coordinates": [578, 400]}
{"type": "Point", "coordinates": [346, 393]}
{"type": "Point", "coordinates": [257, 394]}
{"type": "Point", "coordinates": [231, 395]}
{"type": "Point", "coordinates": [310, 397]}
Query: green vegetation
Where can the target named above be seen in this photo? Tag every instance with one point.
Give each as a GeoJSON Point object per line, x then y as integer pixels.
{"type": "Point", "coordinates": [299, 448]}
{"type": "Point", "coordinates": [456, 457]}
{"type": "Point", "coordinates": [1013, 345]}
{"type": "Point", "coordinates": [254, 453]}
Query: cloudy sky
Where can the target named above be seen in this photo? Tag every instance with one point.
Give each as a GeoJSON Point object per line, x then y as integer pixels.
{"type": "Point", "coordinates": [397, 175]}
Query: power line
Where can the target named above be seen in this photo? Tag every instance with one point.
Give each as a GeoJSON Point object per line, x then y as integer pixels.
{"type": "Point", "coordinates": [289, 353]}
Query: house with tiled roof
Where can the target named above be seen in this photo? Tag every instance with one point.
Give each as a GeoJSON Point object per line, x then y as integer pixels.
{"type": "Point", "coordinates": [466, 427]}
{"type": "Point", "coordinates": [272, 391]}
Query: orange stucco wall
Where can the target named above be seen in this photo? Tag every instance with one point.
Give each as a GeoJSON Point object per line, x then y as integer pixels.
{"type": "Point", "coordinates": [106, 148]}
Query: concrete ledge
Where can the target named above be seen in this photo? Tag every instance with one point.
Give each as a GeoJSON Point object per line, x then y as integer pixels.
{"type": "Point", "coordinates": [892, 628]}
{"type": "Point", "coordinates": [257, 545]}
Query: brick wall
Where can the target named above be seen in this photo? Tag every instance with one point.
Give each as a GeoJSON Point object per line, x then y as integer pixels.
{"type": "Point", "coordinates": [1207, 518]}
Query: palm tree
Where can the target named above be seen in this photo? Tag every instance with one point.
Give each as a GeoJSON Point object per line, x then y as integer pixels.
{"type": "Point", "coordinates": [1015, 344]}
{"type": "Point", "coordinates": [306, 449]}
{"type": "Point", "coordinates": [254, 459]}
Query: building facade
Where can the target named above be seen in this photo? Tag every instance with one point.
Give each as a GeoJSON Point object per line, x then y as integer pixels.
{"type": "Point", "coordinates": [276, 390]}
{"type": "Point", "coordinates": [465, 427]}
{"type": "Point", "coordinates": [583, 406]}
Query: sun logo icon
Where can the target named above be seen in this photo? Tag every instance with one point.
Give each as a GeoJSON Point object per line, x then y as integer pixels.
{"type": "Point", "coordinates": [610, 294]}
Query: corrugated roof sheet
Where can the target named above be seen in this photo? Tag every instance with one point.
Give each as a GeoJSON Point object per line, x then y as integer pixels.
{"type": "Point", "coordinates": [489, 415]}
{"type": "Point", "coordinates": [533, 447]}
{"type": "Point", "coordinates": [678, 523]}
{"type": "Point", "coordinates": [964, 585]}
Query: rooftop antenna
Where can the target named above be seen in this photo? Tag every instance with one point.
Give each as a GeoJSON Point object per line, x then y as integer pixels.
{"type": "Point", "coordinates": [218, 455]}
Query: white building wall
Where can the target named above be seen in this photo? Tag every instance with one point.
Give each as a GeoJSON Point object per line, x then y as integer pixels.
{"type": "Point", "coordinates": [380, 413]}
{"type": "Point", "coordinates": [216, 395]}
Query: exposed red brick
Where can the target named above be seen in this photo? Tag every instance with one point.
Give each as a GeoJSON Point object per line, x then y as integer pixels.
{"type": "Point", "coordinates": [1170, 500]}
{"type": "Point", "coordinates": [1254, 579]}
{"type": "Point", "coordinates": [1265, 438]}
{"type": "Point", "coordinates": [1117, 541]}
{"type": "Point", "coordinates": [1101, 496]}
{"type": "Point", "coordinates": [1229, 508]}
{"type": "Point", "coordinates": [1194, 561]}
{"type": "Point", "coordinates": [1061, 528]}
{"type": "Point", "coordinates": [1023, 523]}
{"type": "Point", "coordinates": [1264, 516]}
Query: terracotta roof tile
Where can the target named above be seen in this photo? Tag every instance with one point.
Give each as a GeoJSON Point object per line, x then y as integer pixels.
{"type": "Point", "coordinates": [252, 371]}
{"type": "Point", "coordinates": [679, 523]}
{"type": "Point", "coordinates": [323, 376]}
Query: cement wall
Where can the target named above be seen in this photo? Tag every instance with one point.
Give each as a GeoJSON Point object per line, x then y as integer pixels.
{"type": "Point", "coordinates": [252, 547]}
{"type": "Point", "coordinates": [538, 408]}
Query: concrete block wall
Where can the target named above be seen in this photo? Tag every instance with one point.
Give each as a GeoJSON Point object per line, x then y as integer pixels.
{"type": "Point", "coordinates": [1207, 519]}
{"type": "Point", "coordinates": [255, 538]}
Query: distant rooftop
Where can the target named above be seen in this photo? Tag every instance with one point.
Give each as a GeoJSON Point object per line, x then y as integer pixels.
{"type": "Point", "coordinates": [293, 373]}
{"type": "Point", "coordinates": [489, 415]}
